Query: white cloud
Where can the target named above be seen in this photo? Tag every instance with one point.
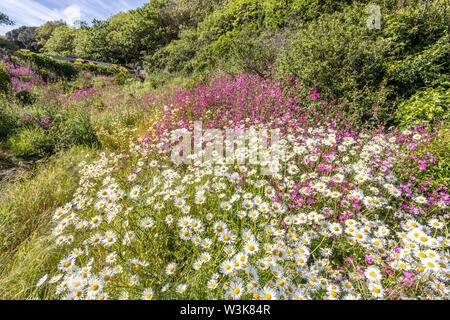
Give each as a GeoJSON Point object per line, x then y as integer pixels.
{"type": "Point", "coordinates": [71, 14]}
{"type": "Point", "coordinates": [35, 13]}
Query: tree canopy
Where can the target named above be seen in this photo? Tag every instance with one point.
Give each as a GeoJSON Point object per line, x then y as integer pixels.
{"type": "Point", "coordinates": [4, 19]}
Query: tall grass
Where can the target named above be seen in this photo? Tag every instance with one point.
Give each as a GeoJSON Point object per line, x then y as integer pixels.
{"type": "Point", "coordinates": [26, 208]}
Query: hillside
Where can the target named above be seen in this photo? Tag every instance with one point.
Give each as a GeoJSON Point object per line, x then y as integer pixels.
{"type": "Point", "coordinates": [335, 185]}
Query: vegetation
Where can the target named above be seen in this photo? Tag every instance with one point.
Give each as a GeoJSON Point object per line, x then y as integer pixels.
{"type": "Point", "coordinates": [93, 204]}
{"type": "Point", "coordinates": [4, 19]}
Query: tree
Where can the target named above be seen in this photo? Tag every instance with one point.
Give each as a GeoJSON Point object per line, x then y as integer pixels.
{"type": "Point", "coordinates": [96, 45]}
{"type": "Point", "coordinates": [151, 28]}
{"type": "Point", "coordinates": [122, 38]}
{"type": "Point", "coordinates": [45, 31]}
{"type": "Point", "coordinates": [80, 24]}
{"type": "Point", "coordinates": [4, 19]}
{"type": "Point", "coordinates": [24, 37]}
{"type": "Point", "coordinates": [81, 44]}
{"type": "Point", "coordinates": [61, 41]}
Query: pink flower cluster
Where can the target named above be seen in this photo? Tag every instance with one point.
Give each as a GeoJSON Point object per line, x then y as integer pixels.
{"type": "Point", "coordinates": [22, 77]}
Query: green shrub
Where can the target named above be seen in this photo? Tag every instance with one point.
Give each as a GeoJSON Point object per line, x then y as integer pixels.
{"type": "Point", "coordinates": [31, 141]}
{"type": "Point", "coordinates": [177, 55]}
{"type": "Point", "coordinates": [438, 173]}
{"type": "Point", "coordinates": [5, 80]}
{"type": "Point", "coordinates": [204, 48]}
{"type": "Point", "coordinates": [254, 51]}
{"type": "Point", "coordinates": [425, 106]}
{"type": "Point", "coordinates": [242, 34]}
{"type": "Point", "coordinates": [8, 46]}
{"type": "Point", "coordinates": [26, 97]}
{"type": "Point", "coordinates": [425, 68]}
{"type": "Point", "coordinates": [346, 59]}
{"type": "Point", "coordinates": [8, 118]}
{"type": "Point", "coordinates": [77, 129]}
{"type": "Point", "coordinates": [42, 130]}
{"type": "Point", "coordinates": [45, 66]}
{"type": "Point", "coordinates": [153, 82]}
{"type": "Point", "coordinates": [414, 25]}
{"type": "Point", "coordinates": [121, 78]}
{"type": "Point", "coordinates": [100, 69]}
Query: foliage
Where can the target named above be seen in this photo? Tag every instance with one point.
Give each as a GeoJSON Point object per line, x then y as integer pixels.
{"type": "Point", "coordinates": [49, 68]}
{"type": "Point", "coordinates": [345, 58]}
{"type": "Point", "coordinates": [75, 129]}
{"type": "Point", "coordinates": [25, 244]}
{"type": "Point", "coordinates": [8, 118]}
{"type": "Point", "coordinates": [425, 105]}
{"type": "Point", "coordinates": [100, 69]}
{"type": "Point", "coordinates": [415, 25]}
{"type": "Point", "coordinates": [5, 80]}
{"type": "Point", "coordinates": [426, 68]}
{"type": "Point", "coordinates": [121, 77]}
{"type": "Point", "coordinates": [46, 30]}
{"type": "Point", "coordinates": [7, 45]}
{"type": "Point", "coordinates": [436, 173]}
{"type": "Point", "coordinates": [24, 37]}
{"type": "Point", "coordinates": [30, 142]}
{"type": "Point", "coordinates": [4, 19]}
{"type": "Point", "coordinates": [26, 97]}
{"type": "Point", "coordinates": [46, 65]}
{"type": "Point", "coordinates": [61, 41]}
{"type": "Point", "coordinates": [255, 52]}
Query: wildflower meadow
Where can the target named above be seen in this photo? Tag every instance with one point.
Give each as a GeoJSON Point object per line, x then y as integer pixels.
{"type": "Point", "coordinates": [232, 185]}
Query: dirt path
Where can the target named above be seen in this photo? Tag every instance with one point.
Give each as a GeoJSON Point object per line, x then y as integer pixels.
{"type": "Point", "coordinates": [12, 169]}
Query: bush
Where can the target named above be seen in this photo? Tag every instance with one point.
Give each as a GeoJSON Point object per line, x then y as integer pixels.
{"type": "Point", "coordinates": [44, 65]}
{"type": "Point", "coordinates": [425, 68]}
{"type": "Point", "coordinates": [176, 56]}
{"type": "Point", "coordinates": [415, 25]}
{"type": "Point", "coordinates": [42, 130]}
{"type": "Point", "coordinates": [8, 46]}
{"type": "Point", "coordinates": [121, 77]}
{"type": "Point", "coordinates": [53, 69]}
{"type": "Point", "coordinates": [440, 149]}
{"type": "Point", "coordinates": [238, 33]}
{"type": "Point", "coordinates": [345, 58]}
{"type": "Point", "coordinates": [425, 106]}
{"type": "Point", "coordinates": [5, 80]}
{"type": "Point", "coordinates": [31, 141]}
{"type": "Point", "coordinates": [100, 69]}
{"type": "Point", "coordinates": [431, 164]}
{"type": "Point", "coordinates": [204, 48]}
{"type": "Point", "coordinates": [77, 129]}
{"type": "Point", "coordinates": [254, 51]}
{"type": "Point", "coordinates": [8, 118]}
{"type": "Point", "coordinates": [26, 97]}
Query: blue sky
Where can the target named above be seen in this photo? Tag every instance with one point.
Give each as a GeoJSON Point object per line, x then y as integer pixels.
{"type": "Point", "coordinates": [37, 12]}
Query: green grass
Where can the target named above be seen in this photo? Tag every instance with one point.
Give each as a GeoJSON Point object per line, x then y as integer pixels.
{"type": "Point", "coordinates": [26, 209]}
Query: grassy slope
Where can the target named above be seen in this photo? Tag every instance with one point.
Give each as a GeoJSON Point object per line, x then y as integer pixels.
{"type": "Point", "coordinates": [26, 210]}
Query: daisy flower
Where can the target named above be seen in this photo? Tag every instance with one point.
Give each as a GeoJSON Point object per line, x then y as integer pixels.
{"type": "Point", "coordinates": [147, 294]}
{"type": "Point", "coordinates": [170, 269]}
{"type": "Point", "coordinates": [373, 274]}
{"type": "Point", "coordinates": [181, 288]}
